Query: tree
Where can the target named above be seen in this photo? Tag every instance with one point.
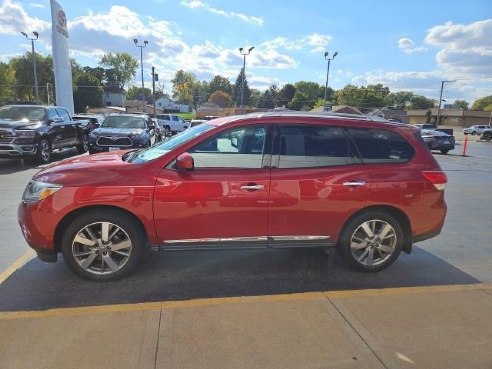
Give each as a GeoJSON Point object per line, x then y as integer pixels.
{"type": "Point", "coordinates": [24, 76]}
{"type": "Point", "coordinates": [184, 86]}
{"type": "Point", "coordinates": [254, 98]}
{"type": "Point", "coordinates": [398, 100]}
{"type": "Point", "coordinates": [364, 97]}
{"type": "Point", "coordinates": [121, 68]}
{"type": "Point", "coordinates": [136, 93]}
{"type": "Point", "coordinates": [484, 103]}
{"type": "Point", "coordinates": [421, 102]}
{"type": "Point", "coordinates": [286, 94]}
{"type": "Point", "coordinates": [461, 104]}
{"type": "Point", "coordinates": [267, 100]}
{"type": "Point", "coordinates": [88, 89]}
{"type": "Point", "coordinates": [219, 83]}
{"type": "Point", "coordinates": [7, 83]}
{"type": "Point", "coordinates": [236, 94]}
{"type": "Point", "coordinates": [306, 95]}
{"type": "Point", "coordinates": [220, 98]}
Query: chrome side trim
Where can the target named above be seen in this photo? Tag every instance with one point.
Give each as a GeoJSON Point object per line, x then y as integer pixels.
{"type": "Point", "coordinates": [299, 238]}
{"type": "Point", "coordinates": [215, 240]}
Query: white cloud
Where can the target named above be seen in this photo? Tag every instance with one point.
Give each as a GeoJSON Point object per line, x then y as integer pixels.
{"type": "Point", "coordinates": [14, 19]}
{"type": "Point", "coordinates": [197, 4]}
{"type": "Point", "coordinates": [465, 50]}
{"type": "Point", "coordinates": [36, 5]}
{"type": "Point", "coordinates": [315, 42]}
{"type": "Point", "coordinates": [408, 46]}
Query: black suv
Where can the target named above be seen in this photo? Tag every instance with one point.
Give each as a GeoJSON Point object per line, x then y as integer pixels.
{"type": "Point", "coordinates": [122, 131]}
{"type": "Point", "coordinates": [34, 131]}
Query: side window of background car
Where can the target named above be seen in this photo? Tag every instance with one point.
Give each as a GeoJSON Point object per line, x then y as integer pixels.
{"type": "Point", "coordinates": [303, 146]}
{"type": "Point", "coordinates": [52, 114]}
{"type": "Point", "coordinates": [381, 146]}
{"type": "Point", "coordinates": [175, 118]}
{"type": "Point", "coordinates": [235, 148]}
{"type": "Point", "coordinates": [64, 114]}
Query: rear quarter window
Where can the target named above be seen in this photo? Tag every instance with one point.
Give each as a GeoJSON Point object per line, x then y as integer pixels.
{"type": "Point", "coordinates": [381, 146]}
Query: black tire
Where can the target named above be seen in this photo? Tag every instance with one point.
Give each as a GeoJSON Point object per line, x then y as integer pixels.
{"type": "Point", "coordinates": [384, 252]}
{"type": "Point", "coordinates": [474, 133]}
{"type": "Point", "coordinates": [101, 261]}
{"type": "Point", "coordinates": [444, 151]}
{"type": "Point", "coordinates": [43, 154]}
{"type": "Point", "coordinates": [487, 136]}
{"type": "Point", "coordinates": [84, 144]}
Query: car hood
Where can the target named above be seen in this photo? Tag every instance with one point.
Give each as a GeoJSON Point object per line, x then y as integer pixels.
{"type": "Point", "coordinates": [18, 124]}
{"type": "Point", "coordinates": [110, 131]}
{"type": "Point", "coordinates": [85, 170]}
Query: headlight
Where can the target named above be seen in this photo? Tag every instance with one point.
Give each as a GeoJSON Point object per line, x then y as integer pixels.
{"type": "Point", "coordinates": [25, 134]}
{"type": "Point", "coordinates": [36, 191]}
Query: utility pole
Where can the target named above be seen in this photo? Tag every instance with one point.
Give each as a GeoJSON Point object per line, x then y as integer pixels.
{"type": "Point", "coordinates": [154, 78]}
{"type": "Point", "coordinates": [440, 100]}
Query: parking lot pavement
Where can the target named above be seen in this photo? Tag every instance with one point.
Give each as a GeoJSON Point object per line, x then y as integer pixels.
{"type": "Point", "coordinates": [417, 327]}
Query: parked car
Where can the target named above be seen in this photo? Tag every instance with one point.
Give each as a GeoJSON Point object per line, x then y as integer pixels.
{"type": "Point", "coordinates": [95, 120]}
{"type": "Point", "coordinates": [276, 180]}
{"type": "Point", "coordinates": [171, 124]}
{"type": "Point", "coordinates": [487, 134]}
{"type": "Point", "coordinates": [33, 132]}
{"type": "Point", "coordinates": [122, 131]}
{"type": "Point", "coordinates": [437, 140]}
{"type": "Point", "coordinates": [427, 126]}
{"type": "Point", "coordinates": [476, 129]}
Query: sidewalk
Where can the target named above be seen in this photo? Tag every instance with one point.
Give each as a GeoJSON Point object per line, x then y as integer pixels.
{"type": "Point", "coordinates": [417, 327]}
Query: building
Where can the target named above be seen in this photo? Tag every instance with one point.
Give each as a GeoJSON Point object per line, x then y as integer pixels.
{"type": "Point", "coordinates": [113, 96]}
{"type": "Point", "coordinates": [451, 117]}
{"type": "Point", "coordinates": [390, 114]}
{"type": "Point", "coordinates": [168, 105]}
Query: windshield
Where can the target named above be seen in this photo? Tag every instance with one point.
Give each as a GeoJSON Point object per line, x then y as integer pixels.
{"type": "Point", "coordinates": [30, 113]}
{"type": "Point", "coordinates": [170, 144]}
{"type": "Point", "coordinates": [123, 121]}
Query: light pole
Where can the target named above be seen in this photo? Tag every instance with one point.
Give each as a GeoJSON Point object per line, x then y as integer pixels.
{"type": "Point", "coordinates": [244, 70]}
{"type": "Point", "coordinates": [440, 100]}
{"type": "Point", "coordinates": [328, 73]}
{"type": "Point", "coordinates": [141, 68]}
{"type": "Point", "coordinates": [36, 36]}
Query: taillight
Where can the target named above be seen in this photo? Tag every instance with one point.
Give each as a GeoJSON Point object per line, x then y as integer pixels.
{"type": "Point", "coordinates": [438, 179]}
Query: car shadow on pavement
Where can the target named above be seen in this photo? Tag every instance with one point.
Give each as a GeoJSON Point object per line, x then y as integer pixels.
{"type": "Point", "coordinates": [15, 165]}
{"type": "Point", "coordinates": [205, 274]}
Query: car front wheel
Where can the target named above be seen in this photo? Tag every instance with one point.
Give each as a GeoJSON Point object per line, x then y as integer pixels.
{"type": "Point", "coordinates": [474, 133]}
{"type": "Point", "coordinates": [371, 241]}
{"type": "Point", "coordinates": [103, 245]}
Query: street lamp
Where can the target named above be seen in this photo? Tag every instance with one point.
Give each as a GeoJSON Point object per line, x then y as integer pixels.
{"type": "Point", "coordinates": [244, 70]}
{"type": "Point", "coordinates": [36, 36]}
{"type": "Point", "coordinates": [440, 100]}
{"type": "Point", "coordinates": [328, 73]}
{"type": "Point", "coordinates": [141, 68]}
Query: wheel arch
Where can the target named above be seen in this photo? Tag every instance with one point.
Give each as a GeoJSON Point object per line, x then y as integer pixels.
{"type": "Point", "coordinates": [77, 212]}
{"type": "Point", "coordinates": [396, 213]}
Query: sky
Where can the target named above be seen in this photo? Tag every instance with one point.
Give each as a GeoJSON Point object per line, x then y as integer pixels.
{"type": "Point", "coordinates": [405, 45]}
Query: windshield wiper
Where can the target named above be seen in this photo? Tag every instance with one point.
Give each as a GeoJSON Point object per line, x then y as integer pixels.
{"type": "Point", "coordinates": [129, 155]}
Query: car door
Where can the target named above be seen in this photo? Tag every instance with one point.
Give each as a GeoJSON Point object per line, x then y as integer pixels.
{"type": "Point", "coordinates": [69, 129]}
{"type": "Point", "coordinates": [223, 201]}
{"type": "Point", "coordinates": [316, 182]}
{"type": "Point", "coordinates": [56, 128]}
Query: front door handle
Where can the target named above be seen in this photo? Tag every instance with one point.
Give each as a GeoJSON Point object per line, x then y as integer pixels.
{"type": "Point", "coordinates": [252, 187]}
{"type": "Point", "coordinates": [354, 183]}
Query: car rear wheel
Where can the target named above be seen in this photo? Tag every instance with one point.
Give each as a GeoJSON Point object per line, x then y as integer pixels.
{"type": "Point", "coordinates": [103, 245]}
{"type": "Point", "coordinates": [487, 136]}
{"type": "Point", "coordinates": [84, 144]}
{"type": "Point", "coordinates": [474, 133]}
{"type": "Point", "coordinates": [371, 241]}
{"type": "Point", "coordinates": [444, 151]}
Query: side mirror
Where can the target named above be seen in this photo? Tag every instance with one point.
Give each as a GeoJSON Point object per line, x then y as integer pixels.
{"type": "Point", "coordinates": [185, 162]}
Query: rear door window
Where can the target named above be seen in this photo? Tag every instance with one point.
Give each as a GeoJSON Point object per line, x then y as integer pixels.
{"type": "Point", "coordinates": [381, 146]}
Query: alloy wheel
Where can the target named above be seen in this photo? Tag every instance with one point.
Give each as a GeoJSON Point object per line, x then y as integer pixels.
{"type": "Point", "coordinates": [102, 248]}
{"type": "Point", "coordinates": [373, 242]}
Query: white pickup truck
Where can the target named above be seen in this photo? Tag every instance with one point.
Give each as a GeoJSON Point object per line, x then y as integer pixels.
{"type": "Point", "coordinates": [170, 123]}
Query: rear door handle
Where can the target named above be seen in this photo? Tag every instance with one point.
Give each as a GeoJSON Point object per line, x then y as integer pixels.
{"type": "Point", "coordinates": [252, 187]}
{"type": "Point", "coordinates": [354, 183]}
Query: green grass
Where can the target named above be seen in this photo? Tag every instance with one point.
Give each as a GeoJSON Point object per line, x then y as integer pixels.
{"type": "Point", "coordinates": [186, 116]}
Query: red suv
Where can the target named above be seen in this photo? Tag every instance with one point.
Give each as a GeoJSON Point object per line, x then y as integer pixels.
{"type": "Point", "coordinates": [369, 188]}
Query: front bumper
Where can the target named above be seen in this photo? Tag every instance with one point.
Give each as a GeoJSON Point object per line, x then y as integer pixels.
{"type": "Point", "coordinates": [12, 150]}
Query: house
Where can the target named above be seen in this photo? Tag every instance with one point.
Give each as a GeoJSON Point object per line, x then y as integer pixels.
{"type": "Point", "coordinates": [113, 96]}
{"type": "Point", "coordinates": [166, 104]}
{"type": "Point", "coordinates": [339, 109]}
{"type": "Point", "coordinates": [451, 117]}
{"type": "Point", "coordinates": [390, 114]}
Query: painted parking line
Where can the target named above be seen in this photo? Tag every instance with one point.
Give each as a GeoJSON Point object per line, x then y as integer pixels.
{"type": "Point", "coordinates": [167, 305]}
{"type": "Point", "coordinates": [28, 255]}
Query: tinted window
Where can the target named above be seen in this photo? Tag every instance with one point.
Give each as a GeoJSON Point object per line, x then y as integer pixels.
{"type": "Point", "coordinates": [124, 121]}
{"type": "Point", "coordinates": [52, 114]}
{"type": "Point", "coordinates": [236, 148]}
{"type": "Point", "coordinates": [305, 146]}
{"type": "Point", "coordinates": [32, 113]}
{"type": "Point", "coordinates": [378, 145]}
{"type": "Point", "coordinates": [63, 113]}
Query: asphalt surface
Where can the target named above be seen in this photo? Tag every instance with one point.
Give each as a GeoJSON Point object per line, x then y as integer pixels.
{"type": "Point", "coordinates": [460, 255]}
